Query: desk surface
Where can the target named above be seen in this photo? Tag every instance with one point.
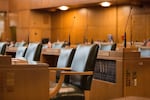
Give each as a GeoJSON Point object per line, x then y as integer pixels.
{"type": "Point", "coordinates": [11, 49]}
{"type": "Point", "coordinates": [50, 51]}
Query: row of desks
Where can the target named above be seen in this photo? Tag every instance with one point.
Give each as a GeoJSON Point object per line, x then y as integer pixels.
{"type": "Point", "coordinates": [22, 81]}
{"type": "Point", "coordinates": [127, 61]}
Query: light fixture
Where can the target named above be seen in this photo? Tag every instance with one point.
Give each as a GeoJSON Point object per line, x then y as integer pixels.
{"type": "Point", "coordinates": [63, 7]}
{"type": "Point", "coordinates": [105, 4]}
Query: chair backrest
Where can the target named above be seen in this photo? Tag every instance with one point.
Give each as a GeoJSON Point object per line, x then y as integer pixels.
{"type": "Point", "coordinates": [20, 44]}
{"type": "Point", "coordinates": [108, 47]}
{"type": "Point", "coordinates": [64, 60]}
{"type": "Point", "coordinates": [2, 48]}
{"type": "Point", "coordinates": [65, 57]}
{"type": "Point", "coordinates": [33, 52]}
{"type": "Point", "coordinates": [58, 45]}
{"type": "Point", "coordinates": [144, 52]}
{"type": "Point", "coordinates": [20, 52]}
{"type": "Point", "coordinates": [84, 60]}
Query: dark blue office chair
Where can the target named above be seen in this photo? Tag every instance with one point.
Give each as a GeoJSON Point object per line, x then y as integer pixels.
{"type": "Point", "coordinates": [33, 52]}
{"type": "Point", "coordinates": [64, 61]}
{"type": "Point", "coordinates": [20, 44]}
{"type": "Point", "coordinates": [20, 52]}
{"type": "Point", "coordinates": [108, 46]}
{"type": "Point", "coordinates": [2, 48]}
{"type": "Point", "coordinates": [58, 45]}
{"type": "Point", "coordinates": [80, 75]}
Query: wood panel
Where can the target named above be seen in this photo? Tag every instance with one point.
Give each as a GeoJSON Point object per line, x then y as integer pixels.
{"type": "Point", "coordinates": [137, 82]}
{"type": "Point", "coordinates": [4, 5]}
{"type": "Point", "coordinates": [28, 23]}
{"type": "Point", "coordinates": [23, 5]}
{"type": "Point", "coordinates": [36, 4]}
{"type": "Point", "coordinates": [23, 18]}
{"type": "Point", "coordinates": [24, 82]}
{"type": "Point", "coordinates": [13, 5]}
{"type": "Point", "coordinates": [22, 34]}
{"type": "Point", "coordinates": [131, 77]}
{"type": "Point", "coordinates": [39, 26]}
{"type": "Point", "coordinates": [102, 90]}
{"type": "Point", "coordinates": [148, 26]}
{"type": "Point", "coordinates": [139, 27]}
{"type": "Point", "coordinates": [16, 5]}
{"type": "Point", "coordinates": [140, 23]}
{"type": "Point", "coordinates": [32, 26]}
{"type": "Point", "coordinates": [35, 35]}
{"type": "Point", "coordinates": [96, 23]}
{"type": "Point", "coordinates": [5, 60]}
{"type": "Point", "coordinates": [91, 23]}
{"type": "Point", "coordinates": [101, 23]}
{"type": "Point", "coordinates": [123, 14]}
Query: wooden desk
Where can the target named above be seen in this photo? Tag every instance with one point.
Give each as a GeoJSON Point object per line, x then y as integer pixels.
{"type": "Point", "coordinates": [11, 51]}
{"type": "Point", "coordinates": [24, 82]}
{"type": "Point", "coordinates": [120, 74]}
{"type": "Point", "coordinates": [50, 56]}
{"type": "Point", "coordinates": [5, 60]}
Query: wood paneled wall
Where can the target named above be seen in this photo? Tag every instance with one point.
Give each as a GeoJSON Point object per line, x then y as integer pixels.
{"type": "Point", "coordinates": [92, 23]}
{"type": "Point", "coordinates": [31, 26]}
{"type": "Point", "coordinates": [3, 5]}
{"type": "Point", "coordinates": [140, 24]}
{"type": "Point", "coordinates": [17, 5]}
{"type": "Point", "coordinates": [95, 23]}
{"type": "Point", "coordinates": [4, 8]}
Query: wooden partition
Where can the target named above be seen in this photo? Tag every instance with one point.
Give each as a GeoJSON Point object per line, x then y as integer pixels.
{"type": "Point", "coordinates": [11, 51]}
{"type": "Point", "coordinates": [119, 74]}
{"type": "Point", "coordinates": [50, 56]}
{"type": "Point", "coordinates": [4, 5]}
{"type": "Point", "coordinates": [24, 82]}
{"type": "Point", "coordinates": [5, 60]}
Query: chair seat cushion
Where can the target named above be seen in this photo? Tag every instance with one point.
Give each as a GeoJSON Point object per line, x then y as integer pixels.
{"type": "Point", "coordinates": [69, 92]}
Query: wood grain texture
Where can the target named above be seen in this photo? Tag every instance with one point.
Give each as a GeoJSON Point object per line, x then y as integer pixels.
{"type": "Point", "coordinates": [24, 82]}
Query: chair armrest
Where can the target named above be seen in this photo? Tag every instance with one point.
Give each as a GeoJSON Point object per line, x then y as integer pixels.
{"type": "Point", "coordinates": [76, 73]}
{"type": "Point", "coordinates": [62, 76]}
{"type": "Point", "coordinates": [55, 68]}
{"type": "Point", "coordinates": [19, 61]}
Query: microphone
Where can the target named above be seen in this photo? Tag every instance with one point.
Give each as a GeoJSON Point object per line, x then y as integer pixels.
{"type": "Point", "coordinates": [69, 41]}
{"type": "Point", "coordinates": [136, 4]}
{"type": "Point", "coordinates": [125, 34]}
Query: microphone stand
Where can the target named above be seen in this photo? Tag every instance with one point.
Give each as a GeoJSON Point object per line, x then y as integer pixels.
{"type": "Point", "coordinates": [125, 34]}
{"type": "Point", "coordinates": [69, 43]}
